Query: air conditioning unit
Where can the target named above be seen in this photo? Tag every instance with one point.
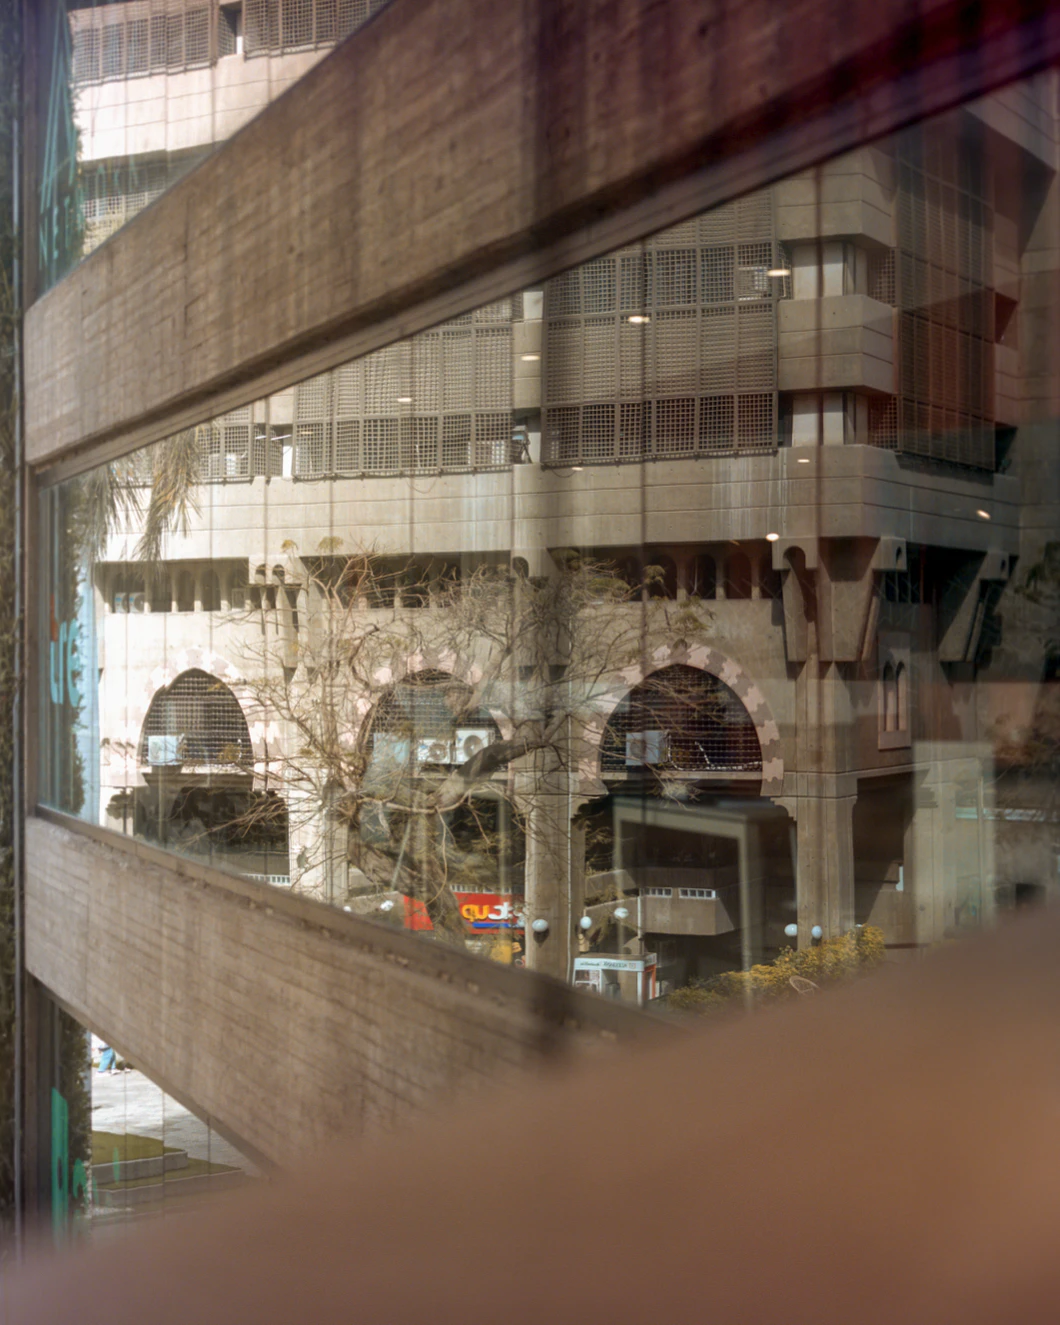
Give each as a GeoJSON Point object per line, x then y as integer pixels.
{"type": "Point", "coordinates": [647, 748]}
{"type": "Point", "coordinates": [390, 749]}
{"type": "Point", "coordinates": [165, 751]}
{"type": "Point", "coordinates": [469, 741]}
{"type": "Point", "coordinates": [429, 751]}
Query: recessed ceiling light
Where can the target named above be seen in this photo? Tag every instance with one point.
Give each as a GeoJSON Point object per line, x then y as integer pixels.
{"type": "Point", "coordinates": [638, 318]}
{"type": "Point", "coordinates": [577, 469]}
{"type": "Point", "coordinates": [772, 538]}
{"type": "Point", "coordinates": [531, 358]}
{"type": "Point", "coordinates": [404, 400]}
{"type": "Point", "coordinates": [983, 515]}
{"type": "Point", "coordinates": [803, 460]}
{"type": "Point", "coordinates": [778, 272]}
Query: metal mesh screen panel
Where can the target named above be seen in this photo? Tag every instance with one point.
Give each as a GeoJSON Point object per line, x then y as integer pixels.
{"type": "Point", "coordinates": [235, 438]}
{"type": "Point", "coordinates": [440, 401]}
{"type": "Point", "coordinates": [139, 37]}
{"type": "Point", "coordinates": [707, 728]}
{"type": "Point", "coordinates": [273, 27]}
{"type": "Point", "coordinates": [940, 283]}
{"type": "Point", "coordinates": [668, 349]}
{"type": "Point", "coordinates": [429, 705]}
{"type": "Point", "coordinates": [202, 710]}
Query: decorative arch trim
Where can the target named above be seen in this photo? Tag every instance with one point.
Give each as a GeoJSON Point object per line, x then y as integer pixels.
{"type": "Point", "coordinates": [705, 659]}
{"type": "Point", "coordinates": [262, 734]}
{"type": "Point", "coordinates": [470, 674]}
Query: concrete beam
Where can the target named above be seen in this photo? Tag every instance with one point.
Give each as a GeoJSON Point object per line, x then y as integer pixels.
{"type": "Point", "coordinates": [279, 1020]}
{"type": "Point", "coordinates": [429, 164]}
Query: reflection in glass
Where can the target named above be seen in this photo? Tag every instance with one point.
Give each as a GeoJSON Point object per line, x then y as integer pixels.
{"type": "Point", "coordinates": [135, 93]}
{"type": "Point", "coordinates": [696, 605]}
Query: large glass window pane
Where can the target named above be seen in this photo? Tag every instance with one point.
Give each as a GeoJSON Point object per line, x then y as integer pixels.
{"type": "Point", "coordinates": [683, 627]}
{"type": "Point", "coordinates": [132, 94]}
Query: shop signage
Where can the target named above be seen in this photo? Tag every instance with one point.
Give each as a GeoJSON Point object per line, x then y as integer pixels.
{"type": "Point", "coordinates": [615, 963]}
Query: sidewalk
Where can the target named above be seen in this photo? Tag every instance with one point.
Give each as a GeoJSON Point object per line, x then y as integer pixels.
{"type": "Point", "coordinates": [130, 1102]}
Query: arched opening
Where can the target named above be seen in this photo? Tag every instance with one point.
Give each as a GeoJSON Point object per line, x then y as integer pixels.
{"type": "Point", "coordinates": [432, 852]}
{"type": "Point", "coordinates": [771, 581]}
{"type": "Point", "coordinates": [196, 720]}
{"type": "Point", "coordinates": [681, 719]}
{"type": "Point", "coordinates": [738, 576]}
{"type": "Point", "coordinates": [118, 592]}
{"type": "Point", "coordinates": [428, 720]}
{"type": "Point", "coordinates": [660, 576]}
{"type": "Point", "coordinates": [211, 591]}
{"type": "Point", "coordinates": [127, 591]}
{"type": "Point", "coordinates": [196, 758]}
{"type": "Point", "coordinates": [890, 699]}
{"type": "Point", "coordinates": [185, 591]}
{"type": "Point", "coordinates": [237, 589]}
{"type": "Point", "coordinates": [901, 697]}
{"type": "Point", "coordinates": [685, 859]}
{"type": "Point", "coordinates": [704, 583]}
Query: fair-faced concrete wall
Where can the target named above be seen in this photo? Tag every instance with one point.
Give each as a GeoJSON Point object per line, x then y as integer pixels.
{"type": "Point", "coordinates": [339, 218]}
{"type": "Point", "coordinates": [280, 1020]}
{"type": "Point", "coordinates": [839, 492]}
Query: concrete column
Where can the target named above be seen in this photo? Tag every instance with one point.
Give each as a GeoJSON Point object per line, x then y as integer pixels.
{"type": "Point", "coordinates": [317, 844]}
{"type": "Point", "coordinates": [684, 562]}
{"type": "Point", "coordinates": [826, 792]}
{"type": "Point", "coordinates": [756, 577]}
{"type": "Point", "coordinates": [198, 589]}
{"type": "Point", "coordinates": [824, 874]}
{"type": "Point", "coordinates": [555, 866]}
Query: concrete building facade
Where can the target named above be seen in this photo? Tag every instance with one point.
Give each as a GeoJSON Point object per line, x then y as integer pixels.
{"type": "Point", "coordinates": [624, 604]}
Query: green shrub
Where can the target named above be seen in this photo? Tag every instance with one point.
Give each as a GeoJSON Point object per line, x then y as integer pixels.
{"type": "Point", "coordinates": [827, 963]}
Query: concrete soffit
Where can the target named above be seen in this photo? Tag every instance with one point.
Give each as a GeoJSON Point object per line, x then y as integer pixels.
{"type": "Point", "coordinates": [592, 130]}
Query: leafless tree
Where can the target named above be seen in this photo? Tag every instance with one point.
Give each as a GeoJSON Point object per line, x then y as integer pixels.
{"type": "Point", "coordinates": [411, 709]}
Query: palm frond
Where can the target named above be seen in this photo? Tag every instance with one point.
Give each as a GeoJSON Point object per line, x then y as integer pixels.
{"type": "Point", "coordinates": [177, 473]}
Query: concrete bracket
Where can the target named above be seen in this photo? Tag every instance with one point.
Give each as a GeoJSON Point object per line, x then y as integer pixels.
{"type": "Point", "coordinates": [963, 607]}
{"type": "Point", "coordinates": [783, 546]}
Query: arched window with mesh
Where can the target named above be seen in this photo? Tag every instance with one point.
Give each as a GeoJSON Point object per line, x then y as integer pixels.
{"type": "Point", "coordinates": [196, 720]}
{"type": "Point", "coordinates": [428, 720]}
{"type": "Point", "coordinates": [681, 719]}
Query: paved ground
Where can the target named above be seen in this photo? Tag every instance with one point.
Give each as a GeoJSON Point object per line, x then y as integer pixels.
{"type": "Point", "coordinates": [129, 1102]}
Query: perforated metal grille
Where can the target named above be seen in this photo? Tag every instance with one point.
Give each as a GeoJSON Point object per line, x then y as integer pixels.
{"type": "Point", "coordinates": [942, 278]}
{"type": "Point", "coordinates": [202, 710]}
{"type": "Point", "coordinates": [706, 726]}
{"type": "Point", "coordinates": [140, 37]}
{"type": "Point", "coordinates": [225, 446]}
{"type": "Point", "coordinates": [668, 349]}
{"type": "Point", "coordinates": [273, 27]}
{"type": "Point", "coordinates": [428, 706]}
{"type": "Point", "coordinates": [883, 422]}
{"type": "Point", "coordinates": [439, 401]}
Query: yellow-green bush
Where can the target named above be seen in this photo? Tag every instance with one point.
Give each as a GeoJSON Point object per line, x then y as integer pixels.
{"type": "Point", "coordinates": [826, 963]}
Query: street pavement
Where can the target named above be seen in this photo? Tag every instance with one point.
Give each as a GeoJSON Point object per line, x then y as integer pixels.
{"type": "Point", "coordinates": [129, 1102]}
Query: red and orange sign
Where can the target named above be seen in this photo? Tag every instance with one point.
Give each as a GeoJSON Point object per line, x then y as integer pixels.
{"type": "Point", "coordinates": [480, 911]}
